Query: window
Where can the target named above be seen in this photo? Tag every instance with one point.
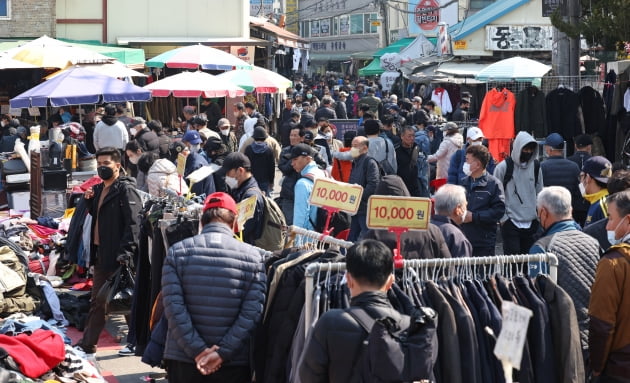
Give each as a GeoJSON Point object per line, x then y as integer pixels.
{"type": "Point", "coordinates": [305, 29]}
{"type": "Point", "coordinates": [344, 25]}
{"type": "Point", "coordinates": [369, 28]}
{"type": "Point", "coordinates": [5, 9]}
{"type": "Point", "coordinates": [480, 4]}
{"type": "Point", "coordinates": [356, 24]}
{"type": "Point", "coordinates": [324, 27]}
{"type": "Point", "coordinates": [335, 26]}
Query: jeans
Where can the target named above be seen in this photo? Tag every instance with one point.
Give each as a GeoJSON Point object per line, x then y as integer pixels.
{"type": "Point", "coordinates": [182, 372]}
{"type": "Point", "coordinates": [423, 176]}
{"type": "Point", "coordinates": [358, 227]}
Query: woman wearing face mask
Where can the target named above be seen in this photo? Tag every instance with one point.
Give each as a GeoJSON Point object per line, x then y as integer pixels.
{"type": "Point", "coordinates": [486, 203]}
{"type": "Point", "coordinates": [609, 308]}
{"type": "Point", "coordinates": [334, 144]}
{"type": "Point", "coordinates": [133, 152]}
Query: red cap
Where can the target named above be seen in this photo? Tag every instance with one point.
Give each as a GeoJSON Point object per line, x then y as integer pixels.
{"type": "Point", "coordinates": [220, 199]}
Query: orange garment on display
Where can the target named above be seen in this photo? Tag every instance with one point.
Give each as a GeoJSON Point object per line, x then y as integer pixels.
{"type": "Point", "coordinates": [496, 120]}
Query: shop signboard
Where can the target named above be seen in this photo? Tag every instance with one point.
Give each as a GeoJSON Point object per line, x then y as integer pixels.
{"type": "Point", "coordinates": [519, 37]}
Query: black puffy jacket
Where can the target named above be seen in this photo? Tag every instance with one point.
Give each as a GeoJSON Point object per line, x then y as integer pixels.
{"type": "Point", "coordinates": [213, 289]}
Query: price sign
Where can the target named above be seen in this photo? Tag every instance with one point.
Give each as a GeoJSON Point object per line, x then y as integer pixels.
{"type": "Point", "coordinates": [336, 195]}
{"type": "Point", "coordinates": [181, 164]}
{"type": "Point", "coordinates": [386, 212]}
{"type": "Point", "coordinates": [509, 346]}
{"type": "Point", "coordinates": [246, 210]}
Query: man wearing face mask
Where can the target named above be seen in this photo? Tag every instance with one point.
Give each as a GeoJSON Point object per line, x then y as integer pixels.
{"type": "Point", "coordinates": [474, 136]}
{"type": "Point", "coordinates": [609, 307]}
{"type": "Point", "coordinates": [593, 180]}
{"type": "Point", "coordinates": [238, 177]}
{"type": "Point", "coordinates": [227, 136]}
{"type": "Point", "coordinates": [365, 172]}
{"type": "Point", "coordinates": [519, 224]}
{"type": "Point", "coordinates": [114, 206]}
{"type": "Point", "coordinates": [486, 202]}
{"type": "Point", "coordinates": [577, 252]}
{"type": "Point", "coordinates": [240, 116]}
{"type": "Point", "coordinates": [450, 210]}
{"type": "Point", "coordinates": [134, 151]}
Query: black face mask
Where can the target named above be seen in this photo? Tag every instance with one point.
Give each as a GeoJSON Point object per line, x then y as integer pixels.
{"type": "Point", "coordinates": [526, 156]}
{"type": "Point", "coordinates": [105, 172]}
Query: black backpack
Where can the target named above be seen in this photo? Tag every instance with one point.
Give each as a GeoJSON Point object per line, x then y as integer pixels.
{"type": "Point", "coordinates": [339, 221]}
{"type": "Point", "coordinates": [509, 171]}
{"type": "Point", "coordinates": [395, 355]}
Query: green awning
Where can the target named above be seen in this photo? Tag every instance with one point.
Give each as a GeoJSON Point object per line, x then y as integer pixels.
{"type": "Point", "coordinates": [131, 57]}
{"type": "Point", "coordinates": [372, 68]}
{"type": "Point", "coordinates": [127, 56]}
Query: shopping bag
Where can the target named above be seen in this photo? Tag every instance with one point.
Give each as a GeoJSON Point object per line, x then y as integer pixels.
{"type": "Point", "coordinates": [117, 292]}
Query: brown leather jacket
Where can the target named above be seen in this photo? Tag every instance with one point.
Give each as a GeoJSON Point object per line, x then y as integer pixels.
{"type": "Point", "coordinates": [609, 312]}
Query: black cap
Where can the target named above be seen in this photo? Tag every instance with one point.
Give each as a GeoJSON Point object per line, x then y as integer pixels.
{"type": "Point", "coordinates": [235, 160]}
{"type": "Point", "coordinates": [598, 167]}
{"type": "Point", "coordinates": [583, 140]}
{"type": "Point", "coordinates": [308, 136]}
{"type": "Point", "coordinates": [259, 134]}
{"type": "Point", "coordinates": [301, 150]}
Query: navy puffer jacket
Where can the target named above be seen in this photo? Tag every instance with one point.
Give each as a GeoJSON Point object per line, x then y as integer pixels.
{"type": "Point", "coordinates": [213, 290]}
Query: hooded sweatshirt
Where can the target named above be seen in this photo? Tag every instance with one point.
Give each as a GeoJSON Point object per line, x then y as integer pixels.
{"type": "Point", "coordinates": [447, 148]}
{"type": "Point", "coordinates": [496, 119]}
{"type": "Point", "coordinates": [521, 191]}
{"type": "Point", "coordinates": [163, 174]}
{"type": "Point", "coordinates": [110, 132]}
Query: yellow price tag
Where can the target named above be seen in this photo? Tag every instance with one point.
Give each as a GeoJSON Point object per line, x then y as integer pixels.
{"type": "Point", "coordinates": [181, 164]}
{"type": "Point", "coordinates": [386, 212]}
{"type": "Point", "coordinates": [337, 195]}
{"type": "Point", "coordinates": [246, 209]}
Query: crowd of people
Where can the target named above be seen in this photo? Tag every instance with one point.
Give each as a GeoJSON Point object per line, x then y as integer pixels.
{"type": "Point", "coordinates": [576, 207]}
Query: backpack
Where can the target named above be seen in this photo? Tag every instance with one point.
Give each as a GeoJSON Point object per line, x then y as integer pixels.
{"type": "Point", "coordinates": [392, 354]}
{"type": "Point", "coordinates": [509, 171]}
{"type": "Point", "coordinates": [386, 167]}
{"type": "Point", "coordinates": [339, 221]}
{"type": "Point", "coordinates": [273, 235]}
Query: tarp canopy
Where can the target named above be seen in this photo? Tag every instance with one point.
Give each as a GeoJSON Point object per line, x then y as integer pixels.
{"type": "Point", "coordinates": [79, 86]}
{"type": "Point", "coordinates": [395, 47]}
{"type": "Point", "coordinates": [372, 69]}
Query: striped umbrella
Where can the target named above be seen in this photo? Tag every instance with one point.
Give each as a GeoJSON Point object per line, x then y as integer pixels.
{"type": "Point", "coordinates": [195, 56]}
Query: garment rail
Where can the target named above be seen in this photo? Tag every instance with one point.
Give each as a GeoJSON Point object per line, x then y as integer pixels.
{"type": "Point", "coordinates": [320, 237]}
{"type": "Point", "coordinates": [497, 260]}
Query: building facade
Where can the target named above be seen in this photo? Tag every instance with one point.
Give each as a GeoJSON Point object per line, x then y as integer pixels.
{"type": "Point", "coordinates": [27, 18]}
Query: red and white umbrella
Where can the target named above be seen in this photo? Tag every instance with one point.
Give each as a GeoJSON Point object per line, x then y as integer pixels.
{"type": "Point", "coordinates": [259, 79]}
{"type": "Point", "coordinates": [195, 56]}
{"type": "Point", "coordinates": [194, 84]}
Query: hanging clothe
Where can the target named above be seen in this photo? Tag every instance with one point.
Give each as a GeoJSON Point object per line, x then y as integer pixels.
{"type": "Point", "coordinates": [496, 120]}
{"type": "Point", "coordinates": [593, 111]}
{"type": "Point", "coordinates": [564, 115]}
{"type": "Point", "coordinates": [441, 98]}
{"type": "Point", "coordinates": [530, 115]}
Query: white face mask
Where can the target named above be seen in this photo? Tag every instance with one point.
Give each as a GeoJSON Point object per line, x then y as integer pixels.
{"type": "Point", "coordinates": [612, 236]}
{"type": "Point", "coordinates": [225, 132]}
{"type": "Point", "coordinates": [328, 136]}
{"type": "Point", "coordinates": [355, 152]}
{"type": "Point", "coordinates": [475, 143]}
{"type": "Point", "coordinates": [134, 160]}
{"type": "Point", "coordinates": [466, 169]}
{"type": "Point", "coordinates": [236, 114]}
{"type": "Point", "coordinates": [231, 182]}
{"type": "Point", "coordinates": [582, 189]}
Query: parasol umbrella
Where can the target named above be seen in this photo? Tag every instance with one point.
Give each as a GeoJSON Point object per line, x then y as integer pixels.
{"type": "Point", "coordinates": [46, 52]}
{"type": "Point", "coordinates": [258, 79]}
{"type": "Point", "coordinates": [79, 86]}
{"type": "Point", "coordinates": [515, 68]}
{"type": "Point", "coordinates": [194, 84]}
{"type": "Point", "coordinates": [9, 63]}
{"type": "Point", "coordinates": [114, 69]}
{"type": "Point", "coordinates": [195, 56]}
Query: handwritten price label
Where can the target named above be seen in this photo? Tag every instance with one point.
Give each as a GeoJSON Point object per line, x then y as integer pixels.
{"type": "Point", "coordinates": [385, 212]}
{"type": "Point", "coordinates": [246, 210]}
{"type": "Point", "coordinates": [509, 346]}
{"type": "Point", "coordinates": [181, 164]}
{"type": "Point", "coordinates": [336, 195]}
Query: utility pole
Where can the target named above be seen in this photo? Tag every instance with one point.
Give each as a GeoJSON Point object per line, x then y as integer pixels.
{"type": "Point", "coordinates": [566, 53]}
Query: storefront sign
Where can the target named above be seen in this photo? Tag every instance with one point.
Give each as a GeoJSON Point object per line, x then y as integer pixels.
{"type": "Point", "coordinates": [549, 7]}
{"type": "Point", "coordinates": [427, 14]}
{"type": "Point", "coordinates": [245, 53]}
{"type": "Point", "coordinates": [386, 212]}
{"type": "Point", "coordinates": [260, 8]}
{"type": "Point", "coordinates": [461, 45]}
{"type": "Point", "coordinates": [519, 37]}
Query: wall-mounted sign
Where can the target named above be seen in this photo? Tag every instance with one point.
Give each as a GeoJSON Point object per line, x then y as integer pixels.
{"type": "Point", "coordinates": [460, 45]}
{"type": "Point", "coordinates": [519, 37]}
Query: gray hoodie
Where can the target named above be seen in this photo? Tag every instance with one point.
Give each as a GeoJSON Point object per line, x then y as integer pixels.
{"type": "Point", "coordinates": [520, 192]}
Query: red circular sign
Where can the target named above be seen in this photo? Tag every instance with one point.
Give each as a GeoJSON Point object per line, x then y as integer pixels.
{"type": "Point", "coordinates": [427, 14]}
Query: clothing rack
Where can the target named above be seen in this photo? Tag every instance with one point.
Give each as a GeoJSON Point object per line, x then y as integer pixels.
{"type": "Point", "coordinates": [319, 237]}
{"type": "Point", "coordinates": [497, 260]}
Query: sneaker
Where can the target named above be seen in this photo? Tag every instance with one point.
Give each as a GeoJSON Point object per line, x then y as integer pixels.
{"type": "Point", "coordinates": [128, 350]}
